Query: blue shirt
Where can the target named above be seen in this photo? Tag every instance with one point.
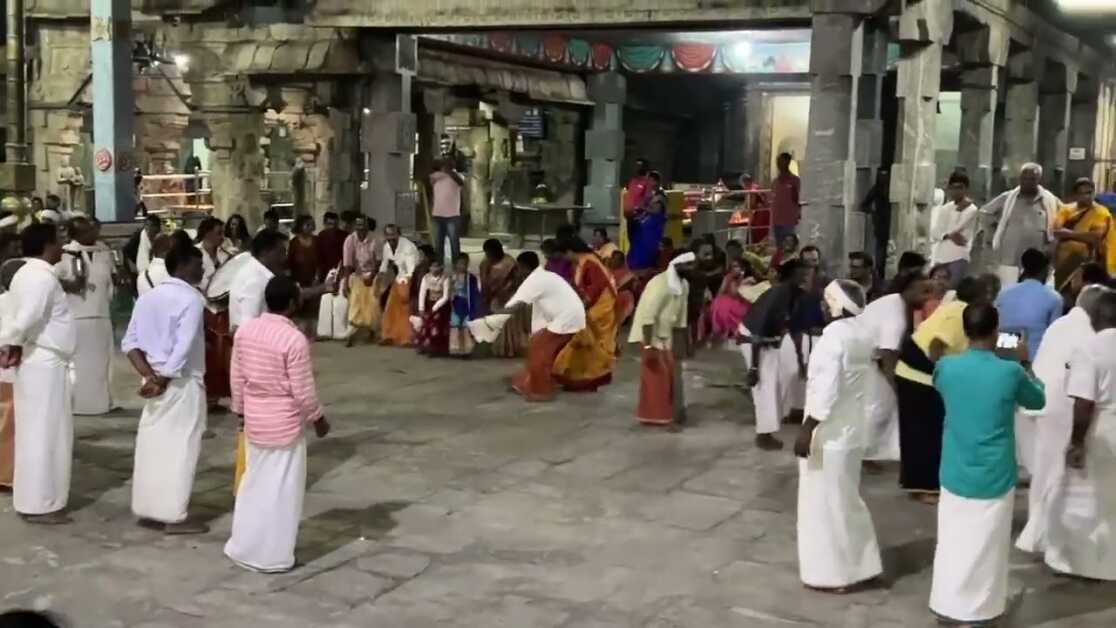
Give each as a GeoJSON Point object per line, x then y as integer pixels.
{"type": "Point", "coordinates": [981, 391]}
{"type": "Point", "coordinates": [1029, 307]}
{"type": "Point", "coordinates": [1108, 199]}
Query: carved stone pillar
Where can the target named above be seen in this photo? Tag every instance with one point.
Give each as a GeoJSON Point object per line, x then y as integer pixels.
{"type": "Point", "coordinates": [56, 135]}
{"type": "Point", "coordinates": [237, 164]}
{"type": "Point", "coordinates": [984, 53]}
{"type": "Point", "coordinates": [1056, 105]}
{"type": "Point", "coordinates": [1021, 113]}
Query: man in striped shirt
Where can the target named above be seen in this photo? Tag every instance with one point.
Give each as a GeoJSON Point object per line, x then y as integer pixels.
{"type": "Point", "coordinates": [273, 390]}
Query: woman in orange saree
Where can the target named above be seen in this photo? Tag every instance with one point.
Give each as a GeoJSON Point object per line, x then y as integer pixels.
{"type": "Point", "coordinates": [586, 362]}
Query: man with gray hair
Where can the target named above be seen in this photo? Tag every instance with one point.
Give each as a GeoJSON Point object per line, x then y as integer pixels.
{"type": "Point", "coordinates": [1025, 220]}
{"type": "Point", "coordinates": [1067, 336]}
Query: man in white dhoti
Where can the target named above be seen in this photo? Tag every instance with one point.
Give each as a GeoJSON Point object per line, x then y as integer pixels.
{"type": "Point", "coordinates": [39, 338]}
{"type": "Point", "coordinates": [837, 545]}
{"type": "Point", "coordinates": [1081, 536]}
{"type": "Point", "coordinates": [273, 389]}
{"type": "Point", "coordinates": [166, 345]}
{"type": "Point", "coordinates": [156, 271]}
{"type": "Point", "coordinates": [770, 352]}
{"type": "Point", "coordinates": [1068, 336]}
{"type": "Point", "coordinates": [246, 298]}
{"type": "Point", "coordinates": [1025, 220]}
{"type": "Point", "coordinates": [889, 318]}
{"type": "Point", "coordinates": [86, 271]}
{"type": "Point", "coordinates": [981, 392]}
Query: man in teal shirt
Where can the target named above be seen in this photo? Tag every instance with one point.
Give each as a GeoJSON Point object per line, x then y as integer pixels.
{"type": "Point", "coordinates": [981, 392]}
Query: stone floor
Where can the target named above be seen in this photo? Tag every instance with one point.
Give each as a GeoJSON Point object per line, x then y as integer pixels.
{"type": "Point", "coordinates": [442, 500]}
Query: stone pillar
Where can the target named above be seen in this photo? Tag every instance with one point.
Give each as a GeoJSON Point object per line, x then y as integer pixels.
{"type": "Point", "coordinates": [236, 164]}
{"type": "Point", "coordinates": [1083, 130]}
{"type": "Point", "coordinates": [60, 64]}
{"type": "Point", "coordinates": [113, 109]}
{"type": "Point", "coordinates": [829, 168]}
{"type": "Point", "coordinates": [388, 137]}
{"type": "Point", "coordinates": [162, 118]}
{"type": "Point", "coordinates": [1021, 113]}
{"type": "Point", "coordinates": [57, 135]}
{"type": "Point", "coordinates": [983, 53]}
{"type": "Point", "coordinates": [924, 27]}
{"type": "Point", "coordinates": [604, 148]}
{"type": "Point", "coordinates": [868, 140]}
{"type": "Point", "coordinates": [1055, 106]}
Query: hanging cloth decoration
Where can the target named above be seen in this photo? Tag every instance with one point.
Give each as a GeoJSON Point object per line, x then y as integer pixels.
{"type": "Point", "coordinates": [602, 57]}
{"type": "Point", "coordinates": [554, 48]}
{"type": "Point", "coordinates": [529, 46]}
{"type": "Point", "coordinates": [578, 50]}
{"type": "Point", "coordinates": [501, 42]}
{"type": "Point", "coordinates": [641, 57]}
{"type": "Point", "coordinates": [693, 57]}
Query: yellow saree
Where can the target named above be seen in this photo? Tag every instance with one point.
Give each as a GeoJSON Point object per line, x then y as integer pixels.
{"type": "Point", "coordinates": [1070, 254]}
{"type": "Point", "coordinates": [586, 362]}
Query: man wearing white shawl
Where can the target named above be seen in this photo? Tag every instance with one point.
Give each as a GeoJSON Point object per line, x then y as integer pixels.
{"type": "Point", "coordinates": [1065, 338]}
{"type": "Point", "coordinates": [1081, 532]}
{"type": "Point", "coordinates": [1026, 221]}
{"type": "Point", "coordinates": [981, 392]}
{"type": "Point", "coordinates": [660, 315]}
{"type": "Point", "coordinates": [837, 545]}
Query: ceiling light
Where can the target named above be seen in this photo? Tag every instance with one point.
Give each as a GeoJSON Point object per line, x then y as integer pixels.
{"type": "Point", "coordinates": [1083, 6]}
{"type": "Point", "coordinates": [742, 49]}
{"type": "Point", "coordinates": [181, 61]}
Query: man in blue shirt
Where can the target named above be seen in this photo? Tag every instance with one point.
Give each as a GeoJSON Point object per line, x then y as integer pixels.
{"type": "Point", "coordinates": [1108, 199]}
{"type": "Point", "coordinates": [980, 391]}
{"type": "Point", "coordinates": [1030, 306]}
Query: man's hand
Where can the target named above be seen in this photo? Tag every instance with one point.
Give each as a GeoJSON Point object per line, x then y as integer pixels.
{"type": "Point", "coordinates": [321, 427]}
{"type": "Point", "coordinates": [153, 387]}
{"type": "Point", "coordinates": [958, 239]}
{"type": "Point", "coordinates": [803, 441]}
{"type": "Point", "coordinates": [1075, 456]}
{"type": "Point", "coordinates": [10, 356]}
{"type": "Point", "coordinates": [752, 378]}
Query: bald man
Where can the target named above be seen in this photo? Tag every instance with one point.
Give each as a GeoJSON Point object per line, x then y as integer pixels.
{"type": "Point", "coordinates": [86, 271]}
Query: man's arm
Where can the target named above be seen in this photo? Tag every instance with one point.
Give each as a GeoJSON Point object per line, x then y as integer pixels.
{"type": "Point", "coordinates": [995, 207]}
{"type": "Point", "coordinates": [237, 380]}
{"type": "Point", "coordinates": [301, 375]}
{"type": "Point", "coordinates": [189, 324]}
{"type": "Point", "coordinates": [32, 304]}
{"type": "Point", "coordinates": [1081, 386]}
{"type": "Point", "coordinates": [822, 383]}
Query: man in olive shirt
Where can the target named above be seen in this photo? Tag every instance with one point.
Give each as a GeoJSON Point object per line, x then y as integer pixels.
{"type": "Point", "coordinates": [981, 392]}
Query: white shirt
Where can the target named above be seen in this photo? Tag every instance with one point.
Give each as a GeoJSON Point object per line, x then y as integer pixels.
{"type": "Point", "coordinates": [837, 384]}
{"type": "Point", "coordinates": [42, 314]}
{"type": "Point", "coordinates": [555, 305]}
{"type": "Point", "coordinates": [246, 298]}
{"type": "Point", "coordinates": [167, 326]}
{"type": "Point", "coordinates": [143, 253]}
{"type": "Point", "coordinates": [405, 256]}
{"type": "Point", "coordinates": [7, 310]}
{"type": "Point", "coordinates": [95, 301]}
{"type": "Point", "coordinates": [946, 219]}
{"type": "Point", "coordinates": [886, 319]}
{"type": "Point", "coordinates": [1092, 374]}
{"type": "Point", "coordinates": [1066, 337]}
{"type": "Point", "coordinates": [155, 274]}
{"type": "Point", "coordinates": [209, 267]}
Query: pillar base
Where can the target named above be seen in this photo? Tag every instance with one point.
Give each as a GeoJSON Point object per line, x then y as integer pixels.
{"type": "Point", "coordinates": [15, 177]}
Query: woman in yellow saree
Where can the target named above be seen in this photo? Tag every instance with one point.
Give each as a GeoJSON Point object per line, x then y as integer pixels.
{"type": "Point", "coordinates": [586, 362]}
{"type": "Point", "coordinates": [1084, 234]}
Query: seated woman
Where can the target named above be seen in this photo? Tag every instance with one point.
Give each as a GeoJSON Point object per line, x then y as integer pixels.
{"type": "Point", "coordinates": [730, 306]}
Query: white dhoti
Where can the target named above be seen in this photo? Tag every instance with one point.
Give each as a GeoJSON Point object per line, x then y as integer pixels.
{"type": "Point", "coordinates": [970, 580]}
{"type": "Point", "coordinates": [1081, 532]}
{"type": "Point", "coordinates": [796, 385]}
{"type": "Point", "coordinates": [883, 419]}
{"type": "Point", "coordinates": [44, 435]}
{"type": "Point", "coordinates": [167, 446]}
{"type": "Point", "coordinates": [93, 366]}
{"type": "Point", "coordinates": [771, 395]}
{"type": "Point", "coordinates": [1025, 440]}
{"type": "Point", "coordinates": [836, 539]}
{"type": "Point", "coordinates": [333, 317]}
{"type": "Point", "coordinates": [1009, 276]}
{"type": "Point", "coordinates": [269, 508]}
{"type": "Point", "coordinates": [1051, 437]}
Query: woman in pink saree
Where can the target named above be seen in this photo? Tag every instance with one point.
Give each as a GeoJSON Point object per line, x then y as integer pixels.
{"type": "Point", "coordinates": [730, 307]}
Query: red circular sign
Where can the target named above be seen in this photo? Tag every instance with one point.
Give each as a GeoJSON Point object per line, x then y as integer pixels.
{"type": "Point", "coordinates": [103, 159]}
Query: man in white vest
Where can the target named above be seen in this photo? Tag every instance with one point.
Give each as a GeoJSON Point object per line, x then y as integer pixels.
{"type": "Point", "coordinates": [1025, 218]}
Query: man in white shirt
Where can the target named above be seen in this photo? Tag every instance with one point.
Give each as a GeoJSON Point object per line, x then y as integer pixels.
{"type": "Point", "coordinates": [166, 345]}
{"type": "Point", "coordinates": [40, 338]}
{"type": "Point", "coordinates": [952, 228]}
{"type": "Point", "coordinates": [401, 255]}
{"type": "Point", "coordinates": [557, 313]}
{"type": "Point", "coordinates": [156, 271]}
{"type": "Point", "coordinates": [86, 271]}
{"type": "Point", "coordinates": [246, 298]}
{"type": "Point", "coordinates": [1025, 218]}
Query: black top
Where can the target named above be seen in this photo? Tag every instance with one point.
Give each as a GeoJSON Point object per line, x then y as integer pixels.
{"type": "Point", "coordinates": [770, 314]}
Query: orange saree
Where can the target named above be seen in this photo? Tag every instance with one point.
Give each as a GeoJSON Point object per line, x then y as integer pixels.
{"type": "Point", "coordinates": [586, 362]}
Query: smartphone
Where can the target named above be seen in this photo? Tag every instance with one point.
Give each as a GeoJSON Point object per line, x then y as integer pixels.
{"type": "Point", "coordinates": [1008, 340]}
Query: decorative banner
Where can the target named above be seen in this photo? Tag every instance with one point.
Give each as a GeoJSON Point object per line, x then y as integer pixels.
{"type": "Point", "coordinates": [578, 52]}
{"type": "Point", "coordinates": [529, 46]}
{"type": "Point", "coordinates": [602, 56]}
{"type": "Point", "coordinates": [694, 57]}
{"type": "Point", "coordinates": [641, 58]}
{"type": "Point", "coordinates": [554, 48]}
{"type": "Point", "coordinates": [767, 58]}
{"type": "Point", "coordinates": [501, 42]}
{"type": "Point", "coordinates": [103, 159]}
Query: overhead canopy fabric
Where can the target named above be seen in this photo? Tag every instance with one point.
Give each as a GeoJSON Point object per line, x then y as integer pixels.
{"type": "Point", "coordinates": [447, 68]}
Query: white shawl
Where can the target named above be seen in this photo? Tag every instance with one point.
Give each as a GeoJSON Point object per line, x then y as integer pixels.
{"type": "Point", "coordinates": [1049, 205]}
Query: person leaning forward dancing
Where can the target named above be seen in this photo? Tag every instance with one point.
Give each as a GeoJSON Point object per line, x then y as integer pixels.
{"type": "Point", "coordinates": [660, 324]}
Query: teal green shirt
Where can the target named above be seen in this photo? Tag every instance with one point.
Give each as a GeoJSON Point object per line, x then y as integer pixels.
{"type": "Point", "coordinates": [981, 391]}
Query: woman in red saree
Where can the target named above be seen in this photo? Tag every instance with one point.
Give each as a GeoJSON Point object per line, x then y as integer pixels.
{"type": "Point", "coordinates": [586, 362]}
{"type": "Point", "coordinates": [218, 340]}
{"type": "Point", "coordinates": [729, 306]}
{"type": "Point", "coordinates": [625, 281]}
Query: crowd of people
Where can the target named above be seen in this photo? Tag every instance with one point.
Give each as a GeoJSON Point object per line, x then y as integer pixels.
{"type": "Point", "coordinates": [961, 378]}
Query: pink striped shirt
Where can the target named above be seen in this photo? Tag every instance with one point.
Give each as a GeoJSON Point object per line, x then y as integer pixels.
{"type": "Point", "coordinates": [272, 382]}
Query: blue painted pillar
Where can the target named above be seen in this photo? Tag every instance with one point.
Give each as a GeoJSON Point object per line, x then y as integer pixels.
{"type": "Point", "coordinates": [113, 109]}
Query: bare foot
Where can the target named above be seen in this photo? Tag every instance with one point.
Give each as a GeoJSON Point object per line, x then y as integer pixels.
{"type": "Point", "coordinates": [49, 519]}
{"type": "Point", "coordinates": [186, 527]}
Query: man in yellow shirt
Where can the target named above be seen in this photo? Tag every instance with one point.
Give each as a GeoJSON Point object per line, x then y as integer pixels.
{"type": "Point", "coordinates": [1084, 233]}
{"type": "Point", "coordinates": [921, 412]}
